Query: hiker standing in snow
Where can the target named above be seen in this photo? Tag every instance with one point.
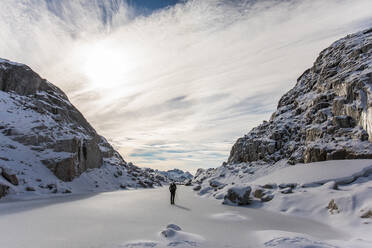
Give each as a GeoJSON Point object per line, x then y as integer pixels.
{"type": "Point", "coordinates": [172, 189]}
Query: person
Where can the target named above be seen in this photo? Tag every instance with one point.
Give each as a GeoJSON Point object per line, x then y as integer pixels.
{"type": "Point", "coordinates": [172, 189]}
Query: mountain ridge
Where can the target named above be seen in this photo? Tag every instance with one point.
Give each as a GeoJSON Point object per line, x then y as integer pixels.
{"type": "Point", "coordinates": [48, 145]}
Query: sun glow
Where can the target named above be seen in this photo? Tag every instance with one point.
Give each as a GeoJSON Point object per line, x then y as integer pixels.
{"type": "Point", "coordinates": [105, 66]}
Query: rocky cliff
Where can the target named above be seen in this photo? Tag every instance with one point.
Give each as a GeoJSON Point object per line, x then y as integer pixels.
{"type": "Point", "coordinates": [326, 116]}
{"type": "Point", "coordinates": [40, 128]}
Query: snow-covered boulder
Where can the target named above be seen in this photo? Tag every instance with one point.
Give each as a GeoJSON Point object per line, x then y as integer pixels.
{"type": "Point", "coordinates": [239, 195]}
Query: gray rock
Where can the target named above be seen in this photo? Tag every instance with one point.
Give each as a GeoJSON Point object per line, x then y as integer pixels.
{"type": "Point", "coordinates": [216, 184]}
{"type": "Point", "coordinates": [269, 186]}
{"type": "Point", "coordinates": [286, 191]}
{"type": "Point", "coordinates": [29, 188]}
{"type": "Point", "coordinates": [197, 188]}
{"type": "Point", "coordinates": [12, 178]}
{"type": "Point", "coordinates": [4, 189]}
{"type": "Point", "coordinates": [238, 195]}
{"type": "Point", "coordinates": [174, 227]}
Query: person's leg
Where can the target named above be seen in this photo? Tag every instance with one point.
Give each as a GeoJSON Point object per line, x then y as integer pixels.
{"type": "Point", "coordinates": [171, 198]}
{"type": "Point", "coordinates": [174, 196]}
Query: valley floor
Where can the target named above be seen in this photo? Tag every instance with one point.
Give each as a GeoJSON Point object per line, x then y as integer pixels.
{"type": "Point", "coordinates": [136, 218]}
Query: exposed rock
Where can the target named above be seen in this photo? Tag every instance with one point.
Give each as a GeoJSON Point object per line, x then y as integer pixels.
{"type": "Point", "coordinates": [343, 121]}
{"type": "Point", "coordinates": [197, 188]}
{"type": "Point", "coordinates": [3, 190]}
{"type": "Point", "coordinates": [332, 207]}
{"type": "Point", "coordinates": [287, 185]}
{"type": "Point", "coordinates": [29, 188]}
{"type": "Point", "coordinates": [267, 197]}
{"type": "Point", "coordinates": [238, 195]}
{"type": "Point", "coordinates": [258, 193]}
{"type": "Point", "coordinates": [286, 190]}
{"type": "Point", "coordinates": [174, 227]}
{"type": "Point", "coordinates": [269, 186]}
{"type": "Point", "coordinates": [263, 195]}
{"type": "Point", "coordinates": [188, 182]}
{"type": "Point", "coordinates": [216, 184]}
{"type": "Point", "coordinates": [12, 178]}
{"type": "Point", "coordinates": [367, 214]}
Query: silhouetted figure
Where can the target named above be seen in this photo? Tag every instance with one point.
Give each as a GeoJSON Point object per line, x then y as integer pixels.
{"type": "Point", "coordinates": [172, 189]}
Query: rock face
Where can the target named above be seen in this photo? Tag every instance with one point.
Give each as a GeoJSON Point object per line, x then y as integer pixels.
{"type": "Point", "coordinates": [326, 116]}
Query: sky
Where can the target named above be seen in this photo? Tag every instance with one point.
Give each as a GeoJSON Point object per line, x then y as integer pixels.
{"type": "Point", "coordinates": [173, 84]}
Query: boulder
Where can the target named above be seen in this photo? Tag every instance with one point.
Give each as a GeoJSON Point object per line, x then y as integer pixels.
{"type": "Point", "coordinates": [269, 186]}
{"type": "Point", "coordinates": [367, 214]}
{"type": "Point", "coordinates": [216, 184]}
{"type": "Point", "coordinates": [332, 207]}
{"type": "Point", "coordinates": [286, 190]}
{"type": "Point", "coordinates": [188, 182]}
{"type": "Point", "coordinates": [258, 193]}
{"type": "Point", "coordinates": [4, 189]}
{"type": "Point", "coordinates": [238, 195]}
{"type": "Point", "coordinates": [174, 227]}
{"type": "Point", "coordinates": [12, 178]}
{"type": "Point", "coordinates": [29, 188]}
{"type": "Point", "coordinates": [197, 187]}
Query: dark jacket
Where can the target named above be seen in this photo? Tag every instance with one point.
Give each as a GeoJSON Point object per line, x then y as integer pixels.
{"type": "Point", "coordinates": [172, 187]}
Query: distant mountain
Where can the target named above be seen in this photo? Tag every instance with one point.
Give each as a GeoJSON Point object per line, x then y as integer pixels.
{"type": "Point", "coordinates": [46, 144]}
{"type": "Point", "coordinates": [177, 175]}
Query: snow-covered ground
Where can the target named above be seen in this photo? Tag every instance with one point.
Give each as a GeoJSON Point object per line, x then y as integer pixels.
{"type": "Point", "coordinates": [337, 193]}
{"type": "Point", "coordinates": [139, 218]}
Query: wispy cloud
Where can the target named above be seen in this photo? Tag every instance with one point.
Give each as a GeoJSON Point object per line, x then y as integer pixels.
{"type": "Point", "coordinates": [177, 87]}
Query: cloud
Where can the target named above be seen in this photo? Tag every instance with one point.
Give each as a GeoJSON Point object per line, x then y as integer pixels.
{"type": "Point", "coordinates": [191, 78]}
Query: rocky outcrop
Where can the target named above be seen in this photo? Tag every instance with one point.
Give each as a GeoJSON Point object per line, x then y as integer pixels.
{"type": "Point", "coordinates": [326, 116]}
